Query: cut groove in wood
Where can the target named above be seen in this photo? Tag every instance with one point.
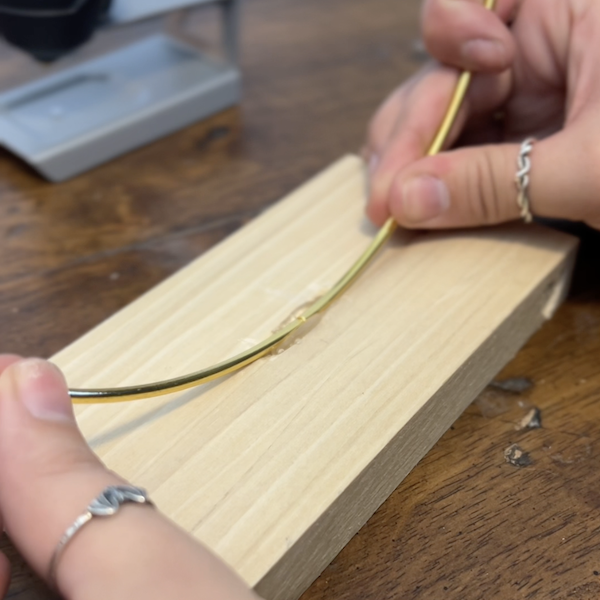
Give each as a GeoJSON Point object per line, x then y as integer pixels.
{"type": "Point", "coordinates": [276, 467]}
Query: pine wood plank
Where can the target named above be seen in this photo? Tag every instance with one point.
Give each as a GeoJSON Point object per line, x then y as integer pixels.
{"type": "Point", "coordinates": [278, 466]}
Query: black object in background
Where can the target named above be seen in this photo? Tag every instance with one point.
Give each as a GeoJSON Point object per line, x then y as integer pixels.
{"type": "Point", "coordinates": [49, 29]}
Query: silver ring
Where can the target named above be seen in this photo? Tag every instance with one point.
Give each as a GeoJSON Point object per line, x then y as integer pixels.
{"type": "Point", "coordinates": [105, 505]}
{"type": "Point", "coordinates": [522, 179]}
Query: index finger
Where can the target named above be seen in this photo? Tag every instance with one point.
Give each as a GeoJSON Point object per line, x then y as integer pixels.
{"type": "Point", "coordinates": [467, 35]}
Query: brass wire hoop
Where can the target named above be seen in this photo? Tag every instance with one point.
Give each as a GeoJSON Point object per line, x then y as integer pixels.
{"type": "Point", "coordinates": [168, 386]}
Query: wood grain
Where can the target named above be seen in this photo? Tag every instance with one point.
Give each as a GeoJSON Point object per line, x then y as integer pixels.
{"type": "Point", "coordinates": [465, 523]}
{"type": "Point", "coordinates": [278, 466]}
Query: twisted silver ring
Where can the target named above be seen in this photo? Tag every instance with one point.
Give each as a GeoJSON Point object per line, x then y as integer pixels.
{"type": "Point", "coordinates": [522, 179]}
{"type": "Point", "coordinates": [105, 505]}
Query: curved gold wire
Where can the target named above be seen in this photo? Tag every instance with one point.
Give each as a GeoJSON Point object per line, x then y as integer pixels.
{"type": "Point", "coordinates": [159, 388]}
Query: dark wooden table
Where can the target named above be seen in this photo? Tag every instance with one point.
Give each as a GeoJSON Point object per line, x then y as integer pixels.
{"type": "Point", "coordinates": [465, 524]}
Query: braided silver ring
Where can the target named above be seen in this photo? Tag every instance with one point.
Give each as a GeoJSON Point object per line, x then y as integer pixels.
{"type": "Point", "coordinates": [522, 180]}
{"type": "Point", "coordinates": [105, 505]}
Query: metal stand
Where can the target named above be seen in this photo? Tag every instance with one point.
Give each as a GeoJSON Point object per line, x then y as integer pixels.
{"type": "Point", "coordinates": [69, 122]}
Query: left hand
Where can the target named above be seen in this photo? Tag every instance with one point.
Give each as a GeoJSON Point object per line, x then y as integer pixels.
{"type": "Point", "coordinates": [48, 475]}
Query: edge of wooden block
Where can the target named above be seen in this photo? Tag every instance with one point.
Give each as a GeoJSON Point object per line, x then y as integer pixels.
{"type": "Point", "coordinates": [353, 508]}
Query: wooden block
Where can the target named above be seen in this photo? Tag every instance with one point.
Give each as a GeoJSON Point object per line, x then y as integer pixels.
{"type": "Point", "coordinates": [276, 467]}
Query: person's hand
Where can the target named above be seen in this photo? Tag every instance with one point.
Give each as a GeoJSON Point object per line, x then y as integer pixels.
{"type": "Point", "coordinates": [48, 476]}
{"type": "Point", "coordinates": [536, 77]}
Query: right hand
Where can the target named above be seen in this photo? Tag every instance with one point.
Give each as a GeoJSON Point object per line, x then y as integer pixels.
{"type": "Point", "coordinates": [536, 65]}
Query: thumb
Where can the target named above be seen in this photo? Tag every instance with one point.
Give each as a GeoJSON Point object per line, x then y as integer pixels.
{"type": "Point", "coordinates": [476, 185]}
{"type": "Point", "coordinates": [48, 474]}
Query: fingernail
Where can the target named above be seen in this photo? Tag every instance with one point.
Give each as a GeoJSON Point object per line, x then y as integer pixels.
{"type": "Point", "coordinates": [424, 198]}
{"type": "Point", "coordinates": [484, 51]}
{"type": "Point", "coordinates": [41, 388]}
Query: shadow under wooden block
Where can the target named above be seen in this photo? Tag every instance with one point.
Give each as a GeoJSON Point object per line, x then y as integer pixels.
{"type": "Point", "coordinates": [276, 467]}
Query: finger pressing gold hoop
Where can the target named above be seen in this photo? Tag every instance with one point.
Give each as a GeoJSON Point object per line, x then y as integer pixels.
{"type": "Point", "coordinates": [105, 505]}
{"type": "Point", "coordinates": [522, 179]}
